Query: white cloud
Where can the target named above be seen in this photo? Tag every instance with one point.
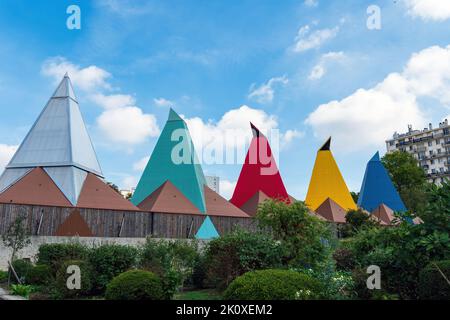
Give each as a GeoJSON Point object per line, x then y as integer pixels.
{"type": "Point", "coordinates": [129, 182]}
{"type": "Point", "coordinates": [128, 125]}
{"type": "Point", "coordinates": [6, 153]}
{"type": "Point", "coordinates": [438, 10]}
{"type": "Point", "coordinates": [266, 92]}
{"type": "Point", "coordinates": [141, 164]}
{"type": "Point", "coordinates": [226, 188]}
{"type": "Point", "coordinates": [320, 69]}
{"type": "Point", "coordinates": [232, 133]}
{"type": "Point", "coordinates": [311, 3]}
{"type": "Point", "coordinates": [162, 102]}
{"type": "Point", "coordinates": [88, 79]}
{"type": "Point", "coordinates": [307, 40]}
{"type": "Point", "coordinates": [121, 121]}
{"type": "Point", "coordinates": [369, 116]}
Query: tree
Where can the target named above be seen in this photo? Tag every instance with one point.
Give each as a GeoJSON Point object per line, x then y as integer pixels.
{"type": "Point", "coordinates": [409, 179]}
{"type": "Point", "coordinates": [305, 238]}
{"type": "Point", "coordinates": [17, 236]}
{"type": "Point", "coordinates": [357, 220]}
{"type": "Point", "coordinates": [355, 196]}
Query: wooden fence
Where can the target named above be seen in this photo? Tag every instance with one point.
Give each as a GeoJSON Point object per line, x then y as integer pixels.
{"type": "Point", "coordinates": [44, 221]}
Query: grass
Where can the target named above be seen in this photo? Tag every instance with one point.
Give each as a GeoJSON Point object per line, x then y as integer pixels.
{"type": "Point", "coordinates": [205, 294]}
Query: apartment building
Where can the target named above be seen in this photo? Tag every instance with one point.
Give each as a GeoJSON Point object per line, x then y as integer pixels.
{"type": "Point", "coordinates": [430, 146]}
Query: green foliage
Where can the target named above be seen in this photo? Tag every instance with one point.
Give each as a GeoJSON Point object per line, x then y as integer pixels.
{"type": "Point", "coordinates": [17, 235]}
{"type": "Point", "coordinates": [436, 215]}
{"type": "Point", "coordinates": [86, 277]}
{"type": "Point", "coordinates": [54, 254]}
{"type": "Point", "coordinates": [345, 261]}
{"type": "Point", "coordinates": [336, 285]}
{"type": "Point", "coordinates": [356, 220]}
{"type": "Point", "coordinates": [173, 261]}
{"type": "Point", "coordinates": [21, 290]}
{"type": "Point", "coordinates": [238, 252]}
{"type": "Point", "coordinates": [3, 276]}
{"type": "Point", "coordinates": [135, 285]}
{"type": "Point", "coordinates": [22, 268]}
{"type": "Point", "coordinates": [40, 275]}
{"type": "Point", "coordinates": [305, 238]}
{"type": "Point", "coordinates": [408, 178]}
{"type": "Point", "coordinates": [109, 261]}
{"type": "Point", "coordinates": [435, 281]}
{"type": "Point", "coordinates": [273, 284]}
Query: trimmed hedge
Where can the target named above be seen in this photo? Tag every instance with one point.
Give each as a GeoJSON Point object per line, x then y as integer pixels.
{"type": "Point", "coordinates": [432, 285]}
{"type": "Point", "coordinates": [22, 268]}
{"type": "Point", "coordinates": [54, 254]}
{"type": "Point", "coordinates": [135, 285]}
{"type": "Point", "coordinates": [62, 292]}
{"type": "Point", "coordinates": [273, 284]}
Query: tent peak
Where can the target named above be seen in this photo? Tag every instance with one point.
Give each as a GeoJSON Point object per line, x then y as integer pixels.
{"type": "Point", "coordinates": [326, 145]}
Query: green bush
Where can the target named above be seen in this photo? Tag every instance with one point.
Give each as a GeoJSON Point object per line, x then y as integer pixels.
{"type": "Point", "coordinates": [21, 290]}
{"type": "Point", "coordinates": [135, 285]}
{"type": "Point", "coordinates": [22, 268]}
{"type": "Point", "coordinates": [3, 276]}
{"type": "Point", "coordinates": [172, 261]}
{"type": "Point", "coordinates": [62, 292]}
{"type": "Point", "coordinates": [432, 284]}
{"type": "Point", "coordinates": [40, 275]}
{"type": "Point", "coordinates": [344, 259]}
{"type": "Point", "coordinates": [54, 254]}
{"type": "Point", "coordinates": [336, 285]}
{"type": "Point", "coordinates": [109, 261]}
{"type": "Point", "coordinates": [273, 284]}
{"type": "Point", "coordinates": [238, 252]}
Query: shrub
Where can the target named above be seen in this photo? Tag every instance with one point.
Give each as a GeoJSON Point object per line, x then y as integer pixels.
{"type": "Point", "coordinates": [54, 254]}
{"type": "Point", "coordinates": [40, 275]}
{"type": "Point", "coordinates": [239, 252]}
{"type": "Point", "coordinates": [135, 285]}
{"type": "Point", "coordinates": [109, 261]}
{"type": "Point", "coordinates": [273, 284]}
{"type": "Point", "coordinates": [432, 284]}
{"type": "Point", "coordinates": [21, 290]}
{"type": "Point", "coordinates": [3, 276]}
{"type": "Point", "coordinates": [172, 261]}
{"type": "Point", "coordinates": [344, 259]}
{"type": "Point", "coordinates": [305, 239]}
{"type": "Point", "coordinates": [22, 268]}
{"type": "Point", "coordinates": [62, 292]}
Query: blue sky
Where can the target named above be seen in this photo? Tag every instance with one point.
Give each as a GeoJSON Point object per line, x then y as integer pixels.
{"type": "Point", "coordinates": [307, 68]}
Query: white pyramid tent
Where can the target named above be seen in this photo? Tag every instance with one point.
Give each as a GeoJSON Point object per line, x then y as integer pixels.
{"type": "Point", "coordinates": [59, 142]}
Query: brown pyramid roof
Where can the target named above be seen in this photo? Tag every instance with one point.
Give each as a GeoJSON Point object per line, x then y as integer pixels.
{"type": "Point", "coordinates": [252, 204]}
{"type": "Point", "coordinates": [383, 214]}
{"type": "Point", "coordinates": [216, 205]}
{"type": "Point", "coordinates": [74, 225]}
{"type": "Point", "coordinates": [168, 199]}
{"type": "Point", "coordinates": [96, 194]}
{"type": "Point", "coordinates": [35, 188]}
{"type": "Point", "coordinates": [331, 211]}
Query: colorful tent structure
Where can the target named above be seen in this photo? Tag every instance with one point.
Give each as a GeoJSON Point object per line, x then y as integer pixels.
{"type": "Point", "coordinates": [173, 181]}
{"type": "Point", "coordinates": [377, 188]}
{"type": "Point", "coordinates": [260, 178]}
{"type": "Point", "coordinates": [327, 182]}
{"type": "Point", "coordinates": [56, 164]}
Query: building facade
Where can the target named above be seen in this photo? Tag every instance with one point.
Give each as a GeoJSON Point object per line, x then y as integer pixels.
{"type": "Point", "coordinates": [430, 146]}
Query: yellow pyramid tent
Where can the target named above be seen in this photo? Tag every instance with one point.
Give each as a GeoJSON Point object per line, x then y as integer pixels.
{"type": "Point", "coordinates": [327, 182]}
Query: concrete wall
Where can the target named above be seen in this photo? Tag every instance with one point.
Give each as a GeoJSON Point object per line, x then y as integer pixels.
{"type": "Point", "coordinates": [32, 250]}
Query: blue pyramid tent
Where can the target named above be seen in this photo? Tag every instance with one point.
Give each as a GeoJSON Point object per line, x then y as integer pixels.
{"type": "Point", "coordinates": [207, 230]}
{"type": "Point", "coordinates": [377, 188]}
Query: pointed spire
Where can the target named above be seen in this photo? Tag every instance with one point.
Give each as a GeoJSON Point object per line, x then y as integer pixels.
{"type": "Point", "coordinates": [256, 132]}
{"type": "Point", "coordinates": [65, 89]}
{"type": "Point", "coordinates": [376, 157]}
{"type": "Point", "coordinates": [173, 116]}
{"type": "Point", "coordinates": [326, 145]}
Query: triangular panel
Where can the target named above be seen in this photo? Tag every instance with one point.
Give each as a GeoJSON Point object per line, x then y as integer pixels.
{"type": "Point", "coordinates": [173, 159]}
{"type": "Point", "coordinates": [216, 205]}
{"type": "Point", "coordinates": [10, 176]}
{"type": "Point", "coordinates": [327, 182]}
{"type": "Point", "coordinates": [74, 226]}
{"type": "Point", "coordinates": [331, 211]}
{"type": "Point", "coordinates": [207, 230]}
{"type": "Point", "coordinates": [69, 180]}
{"type": "Point", "coordinates": [259, 173]}
{"type": "Point", "coordinates": [377, 188]}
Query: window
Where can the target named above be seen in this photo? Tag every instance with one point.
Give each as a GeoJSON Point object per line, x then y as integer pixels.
{"type": "Point", "coordinates": [432, 161]}
{"type": "Point", "coordinates": [439, 151]}
{"type": "Point", "coordinates": [430, 143]}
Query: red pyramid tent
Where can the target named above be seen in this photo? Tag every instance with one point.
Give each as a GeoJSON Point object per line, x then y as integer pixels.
{"type": "Point", "coordinates": [259, 173]}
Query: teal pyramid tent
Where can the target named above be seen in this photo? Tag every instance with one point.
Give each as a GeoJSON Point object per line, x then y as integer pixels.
{"type": "Point", "coordinates": [207, 230]}
{"type": "Point", "coordinates": [173, 159]}
{"type": "Point", "coordinates": [377, 188]}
